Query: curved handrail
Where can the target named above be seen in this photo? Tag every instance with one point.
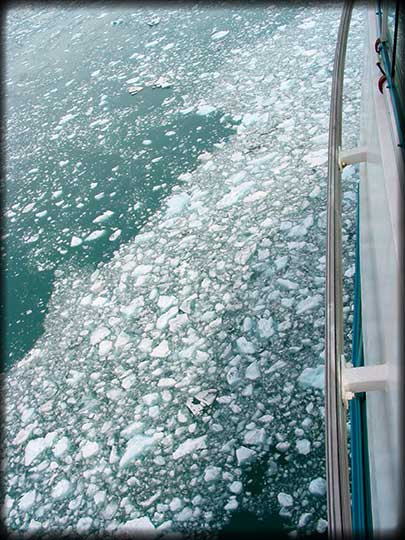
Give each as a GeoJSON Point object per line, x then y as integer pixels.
{"type": "Point", "coordinates": [338, 492]}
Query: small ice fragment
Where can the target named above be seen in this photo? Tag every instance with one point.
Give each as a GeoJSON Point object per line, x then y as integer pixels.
{"type": "Point", "coordinates": [245, 346]}
{"type": "Point", "coordinates": [314, 377]}
{"type": "Point", "coordinates": [84, 524]}
{"type": "Point", "coordinates": [176, 504]}
{"type": "Point", "coordinates": [135, 447]}
{"type": "Point", "coordinates": [190, 445]}
{"type": "Point", "coordinates": [103, 217]}
{"type": "Point", "coordinates": [232, 504]}
{"type": "Point", "coordinates": [161, 351]}
{"type": "Point", "coordinates": [236, 487]}
{"type": "Point", "coordinates": [165, 302]}
{"type": "Point", "coordinates": [133, 90]}
{"type": "Point", "coordinates": [98, 335]}
{"type": "Point", "coordinates": [75, 241]}
{"type": "Point", "coordinates": [219, 35]}
{"type": "Point", "coordinates": [61, 447]}
{"type": "Point", "coordinates": [177, 203]}
{"type": "Point", "coordinates": [205, 109]}
{"type": "Point", "coordinates": [321, 525]}
{"type": "Point", "coordinates": [27, 501]}
{"type": "Point", "coordinates": [105, 347]}
{"type": "Point", "coordinates": [62, 489]}
{"type": "Point", "coordinates": [185, 514]}
{"type": "Point", "coordinates": [303, 446]}
{"type": "Point", "coordinates": [284, 499]}
{"type": "Point", "coordinates": [95, 235]}
{"type": "Point", "coordinates": [90, 449]}
{"type": "Point", "coordinates": [244, 455]}
{"type": "Point", "coordinates": [115, 235]}
{"type": "Point", "coordinates": [287, 284]}
{"type": "Point", "coordinates": [318, 487]}
{"type": "Point", "coordinates": [303, 520]}
{"type": "Point", "coordinates": [255, 436]}
{"type": "Point", "coordinates": [167, 382]}
{"type": "Point", "coordinates": [265, 327]}
{"type": "Point", "coordinates": [252, 371]}
{"type": "Point", "coordinates": [309, 303]}
{"type": "Point", "coordinates": [212, 473]}
{"type": "Point", "coordinates": [34, 448]}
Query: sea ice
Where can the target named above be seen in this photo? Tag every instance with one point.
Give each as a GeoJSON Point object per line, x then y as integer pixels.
{"type": "Point", "coordinates": [252, 371]}
{"type": "Point", "coordinates": [167, 382]}
{"type": "Point", "coordinates": [62, 489]}
{"type": "Point", "coordinates": [314, 377]}
{"type": "Point", "coordinates": [90, 449]}
{"type": "Point", "coordinates": [27, 501]}
{"type": "Point", "coordinates": [99, 334]}
{"type": "Point", "coordinates": [232, 504]}
{"type": "Point", "coordinates": [190, 445]}
{"type": "Point", "coordinates": [95, 235]}
{"type": "Point", "coordinates": [176, 504]}
{"type": "Point", "coordinates": [244, 455]}
{"type": "Point", "coordinates": [135, 447]}
{"type": "Point", "coordinates": [185, 514]}
{"type": "Point", "coordinates": [285, 499]}
{"type": "Point", "coordinates": [103, 217]}
{"type": "Point", "coordinates": [75, 241]}
{"type": "Point", "coordinates": [61, 447]}
{"type": "Point", "coordinates": [303, 446]}
{"type": "Point", "coordinates": [205, 109]}
{"type": "Point", "coordinates": [219, 35]}
{"type": "Point", "coordinates": [34, 448]}
{"type": "Point", "coordinates": [245, 346]}
{"type": "Point", "coordinates": [164, 301]}
{"type": "Point", "coordinates": [265, 327]}
{"type": "Point", "coordinates": [255, 436]}
{"type": "Point", "coordinates": [309, 303]}
{"type": "Point", "coordinates": [235, 194]}
{"type": "Point", "coordinates": [318, 487]}
{"type": "Point", "coordinates": [236, 487]}
{"type": "Point", "coordinates": [177, 203]}
{"type": "Point", "coordinates": [212, 473]}
{"type": "Point", "coordinates": [161, 351]}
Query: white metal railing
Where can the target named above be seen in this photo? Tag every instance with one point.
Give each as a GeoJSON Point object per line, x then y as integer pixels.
{"type": "Point", "coordinates": [338, 492]}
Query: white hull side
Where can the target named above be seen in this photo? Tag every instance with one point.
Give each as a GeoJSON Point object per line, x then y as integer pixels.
{"type": "Point", "coordinates": [380, 228]}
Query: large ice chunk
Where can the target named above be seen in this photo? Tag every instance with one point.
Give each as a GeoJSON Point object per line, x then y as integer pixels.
{"type": "Point", "coordinates": [141, 528]}
{"type": "Point", "coordinates": [161, 351]}
{"type": "Point", "coordinates": [285, 499]}
{"type": "Point", "coordinates": [318, 487]}
{"type": "Point", "coordinates": [99, 334]}
{"type": "Point", "coordinates": [235, 194]}
{"type": "Point", "coordinates": [190, 445]}
{"type": "Point", "coordinates": [177, 203]}
{"type": "Point", "coordinates": [62, 489]}
{"type": "Point", "coordinates": [135, 447]}
{"type": "Point", "coordinates": [244, 455]}
{"type": "Point", "coordinates": [252, 371]}
{"type": "Point", "coordinates": [212, 473]}
{"type": "Point", "coordinates": [314, 377]}
{"type": "Point", "coordinates": [245, 346]}
{"type": "Point", "coordinates": [309, 303]}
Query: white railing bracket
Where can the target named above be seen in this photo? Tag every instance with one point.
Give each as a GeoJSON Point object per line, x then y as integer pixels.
{"type": "Point", "coordinates": [362, 379]}
{"type": "Point", "coordinates": [353, 155]}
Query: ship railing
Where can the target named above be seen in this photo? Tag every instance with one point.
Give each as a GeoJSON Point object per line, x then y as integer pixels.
{"type": "Point", "coordinates": [338, 491]}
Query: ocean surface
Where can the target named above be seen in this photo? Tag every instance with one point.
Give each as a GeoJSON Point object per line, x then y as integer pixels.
{"type": "Point", "coordinates": [164, 257]}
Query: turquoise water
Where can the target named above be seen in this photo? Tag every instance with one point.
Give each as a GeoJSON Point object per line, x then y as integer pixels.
{"type": "Point", "coordinates": [70, 177]}
{"type": "Point", "coordinates": [161, 245]}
